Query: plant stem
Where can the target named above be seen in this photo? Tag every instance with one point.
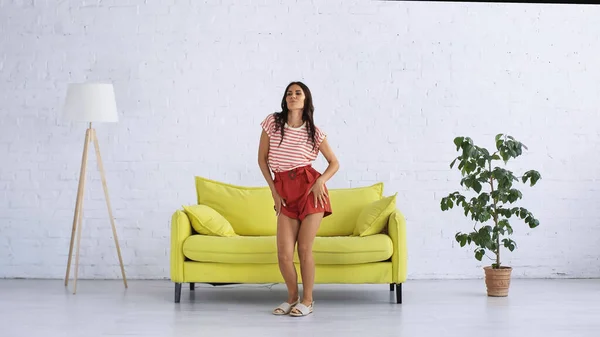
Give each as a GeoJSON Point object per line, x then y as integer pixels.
{"type": "Point", "coordinates": [495, 219]}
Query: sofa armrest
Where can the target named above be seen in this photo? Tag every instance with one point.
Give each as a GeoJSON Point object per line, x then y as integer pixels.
{"type": "Point", "coordinates": [397, 232]}
{"type": "Point", "coordinates": [181, 229]}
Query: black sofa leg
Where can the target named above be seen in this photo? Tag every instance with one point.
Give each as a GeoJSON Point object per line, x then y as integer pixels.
{"type": "Point", "coordinates": [192, 286]}
{"type": "Point", "coordinates": [177, 292]}
{"type": "Point", "coordinates": [391, 287]}
{"type": "Point", "coordinates": [398, 292]}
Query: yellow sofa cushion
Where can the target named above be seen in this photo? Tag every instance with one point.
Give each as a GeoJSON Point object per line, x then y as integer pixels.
{"type": "Point", "coordinates": [250, 209]}
{"type": "Point", "coordinates": [207, 221]}
{"type": "Point", "coordinates": [364, 273]}
{"type": "Point", "coordinates": [346, 204]}
{"type": "Point", "coordinates": [263, 249]}
{"type": "Point", "coordinates": [374, 217]}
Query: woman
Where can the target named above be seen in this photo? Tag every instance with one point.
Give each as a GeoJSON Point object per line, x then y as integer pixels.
{"type": "Point", "coordinates": [289, 144]}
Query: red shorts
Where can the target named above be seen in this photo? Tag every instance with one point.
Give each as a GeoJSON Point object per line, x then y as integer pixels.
{"type": "Point", "coordinates": [293, 187]}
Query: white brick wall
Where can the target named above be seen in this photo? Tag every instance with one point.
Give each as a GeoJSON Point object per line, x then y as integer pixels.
{"type": "Point", "coordinates": [393, 83]}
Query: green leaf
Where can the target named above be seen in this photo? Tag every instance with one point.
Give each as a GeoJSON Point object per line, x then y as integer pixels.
{"type": "Point", "coordinates": [471, 166]}
{"type": "Point", "coordinates": [531, 175]}
{"type": "Point", "coordinates": [509, 228]}
{"type": "Point", "coordinates": [461, 238]}
{"type": "Point", "coordinates": [514, 195]}
{"type": "Point", "coordinates": [481, 161]}
{"type": "Point", "coordinates": [466, 147]}
{"type": "Point", "coordinates": [477, 186]}
{"type": "Point", "coordinates": [479, 253]}
{"type": "Point", "coordinates": [523, 212]}
{"type": "Point", "coordinates": [483, 198]}
{"type": "Point", "coordinates": [533, 223]}
{"type": "Point", "coordinates": [485, 176]}
{"type": "Point", "coordinates": [452, 163]}
{"type": "Point", "coordinates": [505, 226]}
{"type": "Point", "coordinates": [499, 144]}
{"type": "Point", "coordinates": [535, 177]}
{"type": "Point", "coordinates": [484, 153]}
{"type": "Point", "coordinates": [466, 182]}
{"type": "Point", "coordinates": [458, 141]}
{"type": "Point", "coordinates": [510, 244]}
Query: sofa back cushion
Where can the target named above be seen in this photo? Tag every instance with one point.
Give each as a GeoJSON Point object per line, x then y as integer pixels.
{"type": "Point", "coordinates": [250, 209]}
{"type": "Point", "coordinates": [347, 203]}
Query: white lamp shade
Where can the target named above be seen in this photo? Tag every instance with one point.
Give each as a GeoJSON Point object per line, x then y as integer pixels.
{"type": "Point", "coordinates": [91, 102]}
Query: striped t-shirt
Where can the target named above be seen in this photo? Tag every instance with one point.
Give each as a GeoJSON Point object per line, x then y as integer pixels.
{"type": "Point", "coordinates": [296, 150]}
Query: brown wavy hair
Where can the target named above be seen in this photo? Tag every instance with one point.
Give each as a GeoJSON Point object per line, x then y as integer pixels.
{"type": "Point", "coordinates": [307, 113]}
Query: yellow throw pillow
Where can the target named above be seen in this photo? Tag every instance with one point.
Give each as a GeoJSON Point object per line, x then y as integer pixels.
{"type": "Point", "coordinates": [374, 217]}
{"type": "Point", "coordinates": [207, 221]}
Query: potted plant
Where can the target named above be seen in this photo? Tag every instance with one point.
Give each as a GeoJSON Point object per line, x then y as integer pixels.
{"type": "Point", "coordinates": [491, 207]}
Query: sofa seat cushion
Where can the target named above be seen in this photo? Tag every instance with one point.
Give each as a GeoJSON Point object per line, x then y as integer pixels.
{"type": "Point", "coordinates": [263, 249]}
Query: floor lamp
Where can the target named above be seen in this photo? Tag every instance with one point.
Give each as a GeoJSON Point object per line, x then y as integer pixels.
{"type": "Point", "coordinates": [90, 102]}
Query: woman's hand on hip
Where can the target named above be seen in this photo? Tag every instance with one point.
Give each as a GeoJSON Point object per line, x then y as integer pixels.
{"type": "Point", "coordinates": [319, 193]}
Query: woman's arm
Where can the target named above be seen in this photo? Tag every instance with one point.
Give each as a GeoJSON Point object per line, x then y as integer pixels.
{"type": "Point", "coordinates": [334, 164]}
{"type": "Point", "coordinates": [263, 154]}
{"type": "Point", "coordinates": [318, 189]}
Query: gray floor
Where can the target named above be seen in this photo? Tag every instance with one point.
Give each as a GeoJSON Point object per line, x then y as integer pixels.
{"type": "Point", "coordinates": [431, 308]}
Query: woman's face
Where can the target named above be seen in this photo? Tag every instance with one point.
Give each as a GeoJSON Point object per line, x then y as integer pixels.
{"type": "Point", "coordinates": [295, 97]}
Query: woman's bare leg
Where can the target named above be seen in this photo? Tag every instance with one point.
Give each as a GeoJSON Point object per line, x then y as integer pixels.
{"type": "Point", "coordinates": [287, 232]}
{"type": "Point", "coordinates": [306, 237]}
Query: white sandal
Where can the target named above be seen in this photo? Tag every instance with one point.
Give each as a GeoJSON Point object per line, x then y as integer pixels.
{"type": "Point", "coordinates": [303, 310]}
{"type": "Point", "coordinates": [285, 308]}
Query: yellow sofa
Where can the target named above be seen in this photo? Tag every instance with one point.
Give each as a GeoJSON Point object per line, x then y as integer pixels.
{"type": "Point", "coordinates": [247, 251]}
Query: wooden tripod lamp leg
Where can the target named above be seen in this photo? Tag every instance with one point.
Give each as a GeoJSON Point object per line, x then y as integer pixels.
{"type": "Point", "coordinates": [79, 230]}
{"type": "Point", "coordinates": [78, 203]}
{"type": "Point", "coordinates": [110, 214]}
